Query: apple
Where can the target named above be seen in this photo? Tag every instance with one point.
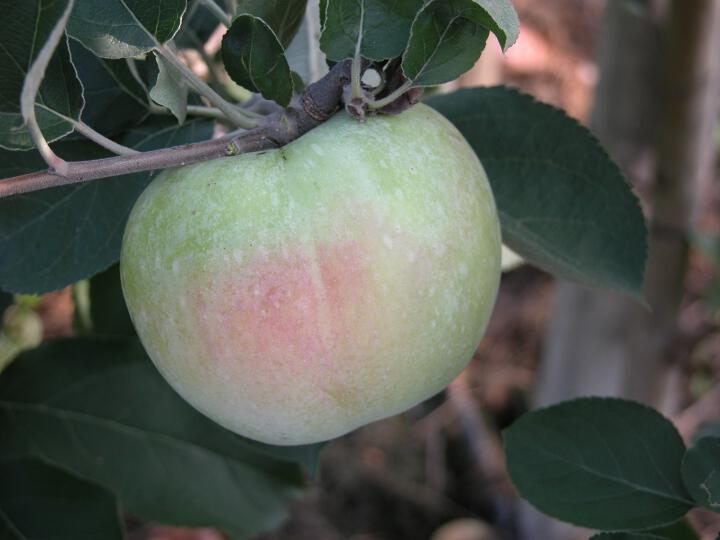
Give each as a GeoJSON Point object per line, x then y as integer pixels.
{"type": "Point", "coordinates": [296, 294]}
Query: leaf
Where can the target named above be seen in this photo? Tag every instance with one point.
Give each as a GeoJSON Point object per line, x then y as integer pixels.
{"type": "Point", "coordinates": [6, 300]}
{"type": "Point", "coordinates": [29, 24]}
{"type": "Point", "coordinates": [114, 100]}
{"type": "Point", "coordinates": [677, 531]}
{"type": "Point", "coordinates": [625, 536]}
{"type": "Point", "coordinates": [381, 26]}
{"type": "Point", "coordinates": [708, 429]}
{"type": "Point", "coordinates": [108, 312]}
{"type": "Point", "coordinates": [52, 238]}
{"type": "Point", "coordinates": [600, 463]}
{"type": "Point", "coordinates": [563, 204]}
{"type": "Point", "coordinates": [447, 38]}
{"type": "Point", "coordinates": [255, 59]}
{"type": "Point", "coordinates": [125, 28]}
{"type": "Point", "coordinates": [701, 472]}
{"type": "Point", "coordinates": [283, 16]}
{"type": "Point", "coordinates": [170, 89]}
{"type": "Point", "coordinates": [99, 408]}
{"type": "Point", "coordinates": [40, 501]}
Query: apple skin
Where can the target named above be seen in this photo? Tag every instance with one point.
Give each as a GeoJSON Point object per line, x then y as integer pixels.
{"type": "Point", "coordinates": [296, 294]}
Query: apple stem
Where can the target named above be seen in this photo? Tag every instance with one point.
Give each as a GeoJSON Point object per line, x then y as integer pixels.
{"type": "Point", "coordinates": [317, 104]}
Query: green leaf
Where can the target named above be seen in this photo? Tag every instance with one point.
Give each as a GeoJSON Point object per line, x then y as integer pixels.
{"type": "Point", "coordinates": [447, 38]}
{"type": "Point", "coordinates": [6, 300]}
{"type": "Point", "coordinates": [28, 26]}
{"type": "Point", "coordinates": [701, 472]}
{"type": "Point", "coordinates": [114, 100]}
{"type": "Point", "coordinates": [600, 463]}
{"type": "Point", "coordinates": [108, 312]}
{"type": "Point", "coordinates": [626, 536]}
{"type": "Point", "coordinates": [125, 28]}
{"type": "Point", "coordinates": [99, 408]}
{"type": "Point", "coordinates": [677, 531]}
{"type": "Point", "coordinates": [170, 89]}
{"type": "Point", "coordinates": [283, 16]}
{"type": "Point", "coordinates": [381, 26]}
{"type": "Point", "coordinates": [52, 238]}
{"type": "Point", "coordinates": [39, 501]}
{"type": "Point", "coordinates": [563, 204]}
{"type": "Point", "coordinates": [255, 59]}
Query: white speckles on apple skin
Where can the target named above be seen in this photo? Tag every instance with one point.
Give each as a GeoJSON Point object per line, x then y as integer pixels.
{"type": "Point", "coordinates": [311, 295]}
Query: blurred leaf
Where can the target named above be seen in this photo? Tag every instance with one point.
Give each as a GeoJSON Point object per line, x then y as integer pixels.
{"type": "Point", "coordinates": [677, 531]}
{"type": "Point", "coordinates": [611, 464]}
{"type": "Point", "coordinates": [99, 408]}
{"type": "Point", "coordinates": [108, 312]}
{"type": "Point", "coordinates": [708, 429]}
{"type": "Point", "coordinates": [255, 59]}
{"type": "Point", "coordinates": [170, 89]}
{"type": "Point", "coordinates": [6, 300]}
{"type": "Point", "coordinates": [52, 238]}
{"type": "Point", "coordinates": [124, 28]}
{"type": "Point", "coordinates": [563, 204]}
{"type": "Point", "coordinates": [447, 39]}
{"type": "Point", "coordinates": [381, 26]}
{"type": "Point", "coordinates": [199, 24]}
{"type": "Point", "coordinates": [701, 472]}
{"type": "Point", "coordinates": [114, 100]}
{"type": "Point", "coordinates": [283, 16]}
{"type": "Point", "coordinates": [626, 536]}
{"type": "Point", "coordinates": [27, 28]}
{"type": "Point", "coordinates": [39, 501]}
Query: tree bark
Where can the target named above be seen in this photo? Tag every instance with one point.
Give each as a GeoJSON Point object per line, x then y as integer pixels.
{"type": "Point", "coordinates": [655, 111]}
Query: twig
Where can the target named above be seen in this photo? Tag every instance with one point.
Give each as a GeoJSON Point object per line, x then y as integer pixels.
{"type": "Point", "coordinates": [234, 114]}
{"type": "Point", "coordinates": [31, 86]}
{"type": "Point", "coordinates": [704, 410]}
{"type": "Point", "coordinates": [101, 140]}
{"type": "Point", "coordinates": [317, 104]}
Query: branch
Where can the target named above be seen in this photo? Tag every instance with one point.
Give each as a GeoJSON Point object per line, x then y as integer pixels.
{"type": "Point", "coordinates": [316, 105]}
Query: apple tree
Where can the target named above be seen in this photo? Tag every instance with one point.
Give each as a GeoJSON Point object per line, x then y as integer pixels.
{"type": "Point", "coordinates": [100, 96]}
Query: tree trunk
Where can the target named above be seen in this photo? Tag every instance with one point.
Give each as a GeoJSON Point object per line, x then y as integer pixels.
{"type": "Point", "coordinates": [655, 111]}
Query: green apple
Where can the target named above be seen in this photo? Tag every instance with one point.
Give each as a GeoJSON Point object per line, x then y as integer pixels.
{"type": "Point", "coordinates": [296, 294]}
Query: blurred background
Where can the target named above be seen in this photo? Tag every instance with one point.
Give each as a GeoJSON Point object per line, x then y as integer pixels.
{"type": "Point", "coordinates": [645, 76]}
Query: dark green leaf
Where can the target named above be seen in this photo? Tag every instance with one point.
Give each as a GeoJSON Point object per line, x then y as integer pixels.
{"type": "Point", "coordinates": [98, 407]}
{"type": "Point", "coordinates": [6, 300]}
{"type": "Point", "coordinates": [27, 28]}
{"type": "Point", "coordinates": [601, 463]}
{"type": "Point", "coordinates": [626, 536]}
{"type": "Point", "coordinates": [52, 238]}
{"type": "Point", "coordinates": [170, 89]}
{"type": "Point", "coordinates": [501, 19]}
{"type": "Point", "coordinates": [381, 26]}
{"type": "Point", "coordinates": [125, 28]}
{"type": "Point", "coordinates": [283, 16]}
{"type": "Point", "coordinates": [39, 501]}
{"type": "Point", "coordinates": [701, 472]}
{"type": "Point", "coordinates": [255, 59]}
{"type": "Point", "coordinates": [114, 100]}
{"type": "Point", "coordinates": [677, 531]}
{"type": "Point", "coordinates": [563, 204]}
{"type": "Point", "coordinates": [447, 38]}
{"type": "Point", "coordinates": [108, 312]}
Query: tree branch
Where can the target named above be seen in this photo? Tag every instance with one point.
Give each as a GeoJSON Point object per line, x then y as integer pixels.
{"type": "Point", "coordinates": [316, 105]}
